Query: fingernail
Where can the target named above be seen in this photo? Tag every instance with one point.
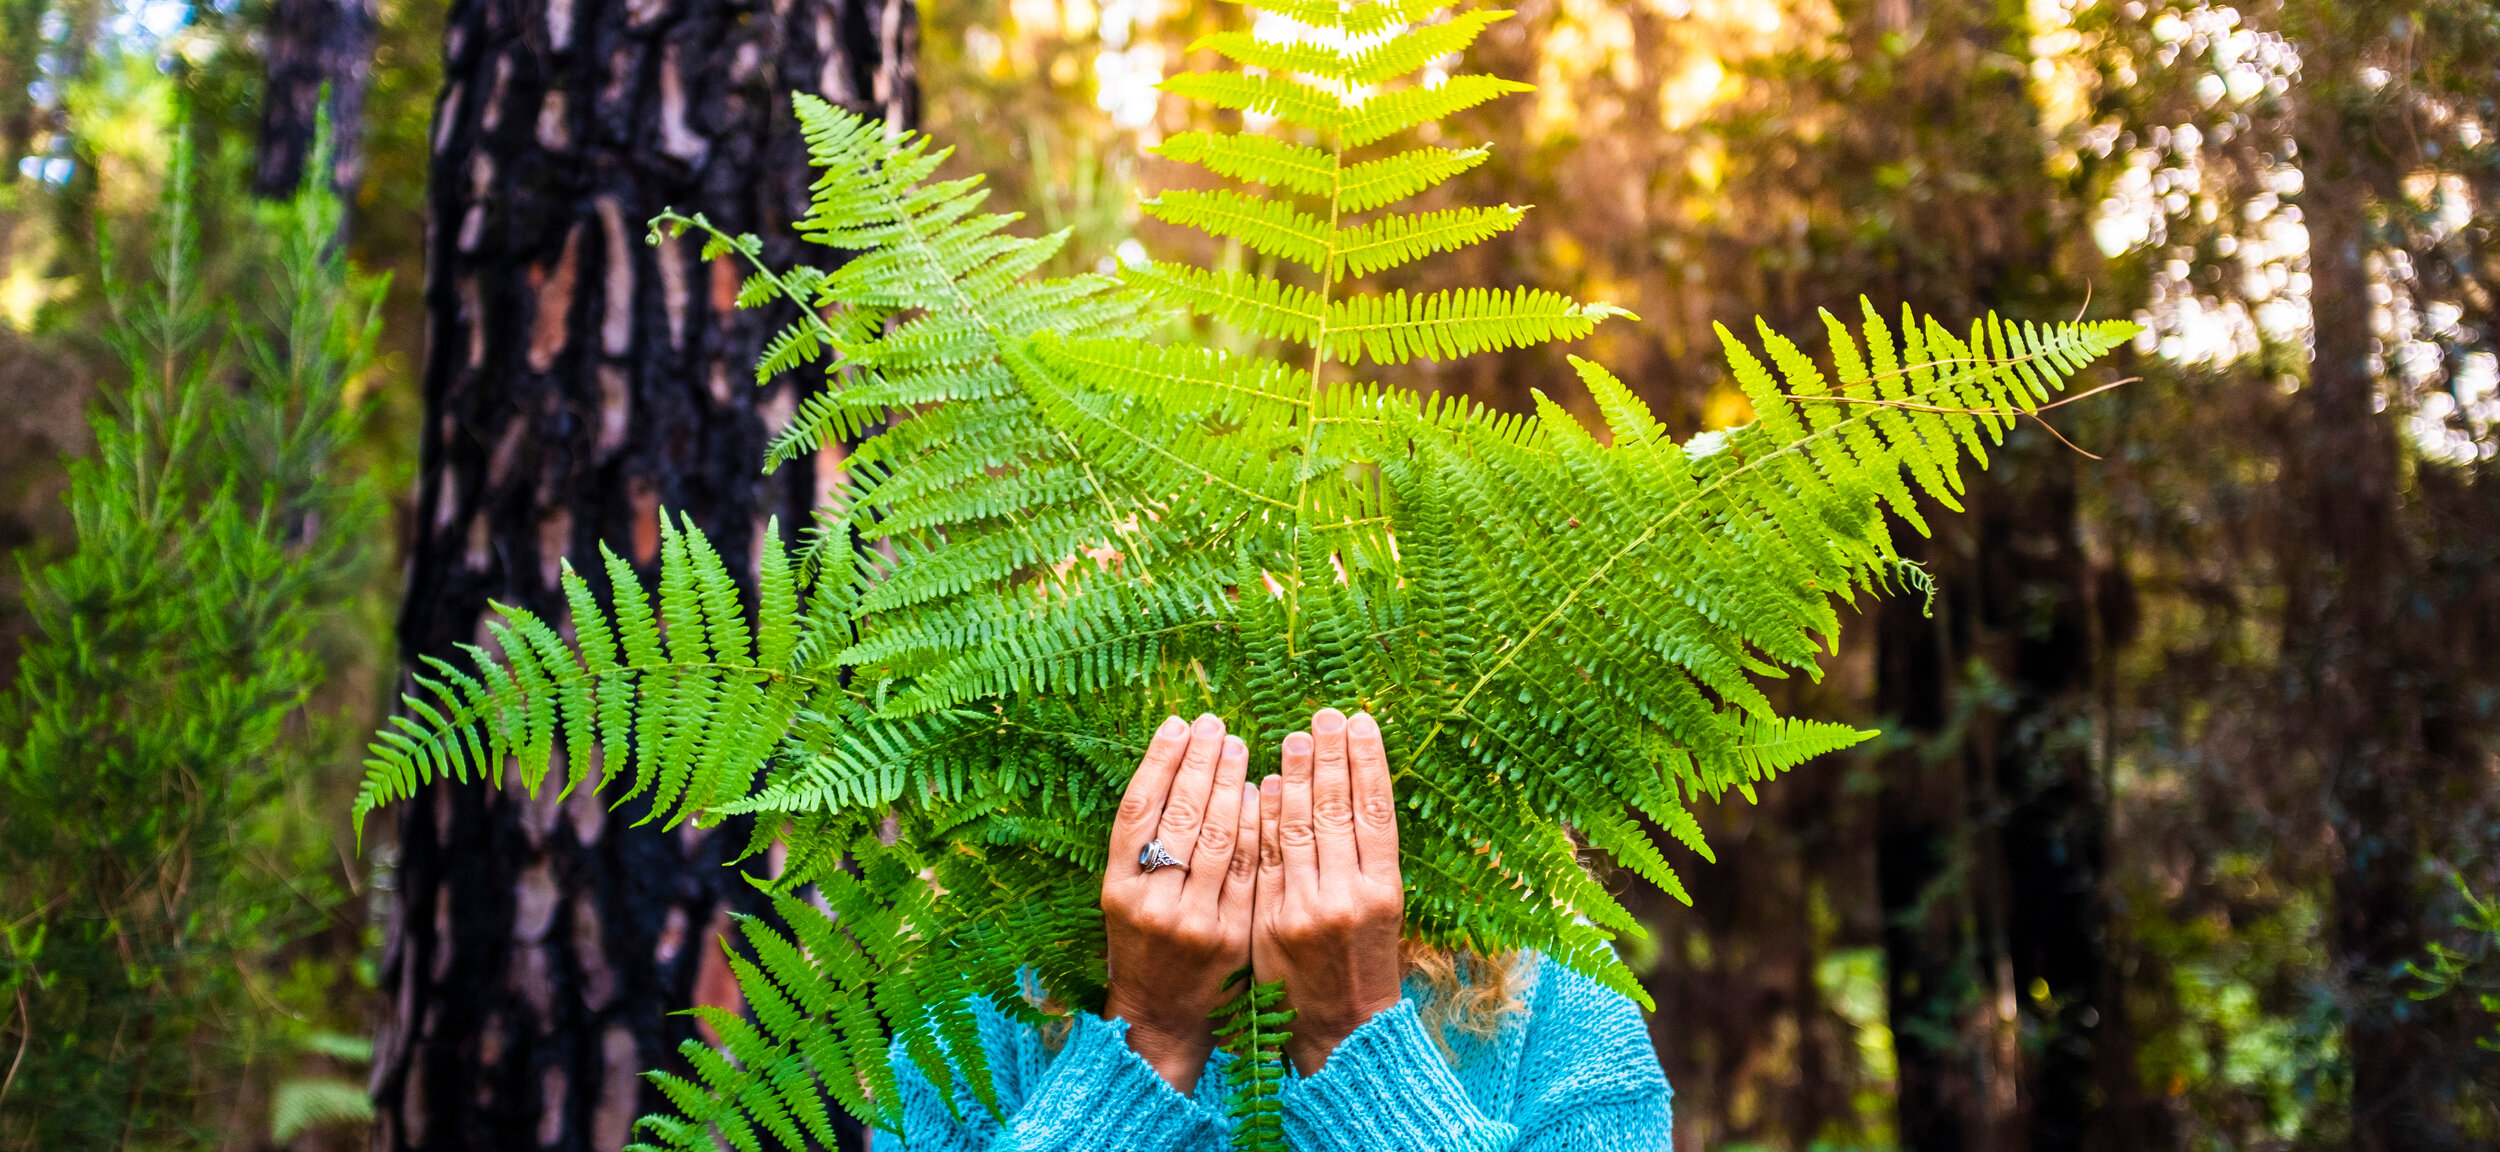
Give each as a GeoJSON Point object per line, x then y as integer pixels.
{"type": "Point", "coordinates": [1271, 783]}
{"type": "Point", "coordinates": [1329, 721]}
{"type": "Point", "coordinates": [1210, 720]}
{"type": "Point", "coordinates": [1233, 746]}
{"type": "Point", "coordinates": [1362, 724]}
{"type": "Point", "coordinates": [1298, 742]}
{"type": "Point", "coordinates": [1249, 794]}
{"type": "Point", "coordinates": [1172, 726]}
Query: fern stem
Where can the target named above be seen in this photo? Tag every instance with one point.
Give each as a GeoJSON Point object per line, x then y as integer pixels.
{"type": "Point", "coordinates": [1302, 511]}
{"type": "Point", "coordinates": [755, 259]}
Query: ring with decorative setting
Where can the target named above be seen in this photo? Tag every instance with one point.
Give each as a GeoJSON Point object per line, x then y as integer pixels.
{"type": "Point", "coordinates": [1153, 856]}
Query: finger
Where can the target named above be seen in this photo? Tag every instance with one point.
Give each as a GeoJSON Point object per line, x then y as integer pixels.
{"type": "Point", "coordinates": [1375, 804]}
{"type": "Point", "coordinates": [1293, 827]}
{"type": "Point", "coordinates": [1332, 799]}
{"type": "Point", "coordinates": [1220, 834]}
{"type": "Point", "coordinates": [1141, 806]}
{"type": "Point", "coordinates": [1271, 894]}
{"type": "Point", "coordinates": [1241, 877]}
{"type": "Point", "coordinates": [1185, 807]}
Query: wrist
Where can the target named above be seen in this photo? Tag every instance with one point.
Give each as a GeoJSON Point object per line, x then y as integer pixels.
{"type": "Point", "coordinates": [1316, 1037]}
{"type": "Point", "coordinates": [1168, 1017]}
{"type": "Point", "coordinates": [1178, 1054]}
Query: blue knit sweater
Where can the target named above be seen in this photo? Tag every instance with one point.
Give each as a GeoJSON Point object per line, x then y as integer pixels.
{"type": "Point", "coordinates": [1573, 1072]}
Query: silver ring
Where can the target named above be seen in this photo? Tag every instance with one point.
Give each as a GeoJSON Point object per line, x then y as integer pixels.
{"type": "Point", "coordinates": [1153, 856]}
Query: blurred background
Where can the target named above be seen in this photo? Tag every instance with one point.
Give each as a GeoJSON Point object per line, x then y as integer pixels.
{"type": "Point", "coordinates": [2182, 831]}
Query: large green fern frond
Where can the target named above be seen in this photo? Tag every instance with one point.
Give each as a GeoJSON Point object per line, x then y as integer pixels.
{"type": "Point", "coordinates": [1050, 533]}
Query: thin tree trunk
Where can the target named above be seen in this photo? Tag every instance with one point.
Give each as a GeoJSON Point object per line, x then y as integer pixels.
{"type": "Point", "coordinates": [579, 385]}
{"type": "Point", "coordinates": [2354, 650]}
{"type": "Point", "coordinates": [2051, 822]}
{"type": "Point", "coordinates": [1992, 830]}
{"type": "Point", "coordinates": [313, 46]}
{"type": "Point", "coordinates": [1923, 857]}
{"type": "Point", "coordinates": [21, 46]}
{"type": "Point", "coordinates": [1991, 826]}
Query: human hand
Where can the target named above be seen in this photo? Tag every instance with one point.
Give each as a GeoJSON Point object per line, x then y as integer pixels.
{"type": "Point", "coordinates": [1331, 906]}
{"type": "Point", "coordinates": [1176, 933]}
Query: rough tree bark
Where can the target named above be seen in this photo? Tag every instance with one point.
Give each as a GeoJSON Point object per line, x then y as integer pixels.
{"type": "Point", "coordinates": [579, 385]}
{"type": "Point", "coordinates": [313, 44]}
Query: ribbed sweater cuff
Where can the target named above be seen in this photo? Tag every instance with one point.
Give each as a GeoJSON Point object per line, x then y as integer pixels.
{"type": "Point", "coordinates": [1387, 1086]}
{"type": "Point", "coordinates": [1101, 1097]}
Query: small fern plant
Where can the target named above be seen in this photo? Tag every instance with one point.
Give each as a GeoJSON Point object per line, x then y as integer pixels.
{"type": "Point", "coordinates": [1054, 531]}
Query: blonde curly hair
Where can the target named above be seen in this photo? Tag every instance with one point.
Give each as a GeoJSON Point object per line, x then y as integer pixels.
{"type": "Point", "coordinates": [1468, 991]}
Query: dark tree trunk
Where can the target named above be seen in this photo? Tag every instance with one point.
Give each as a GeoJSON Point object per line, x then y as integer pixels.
{"type": "Point", "coordinates": [21, 46]}
{"type": "Point", "coordinates": [2037, 605]}
{"type": "Point", "coordinates": [313, 45]}
{"type": "Point", "coordinates": [2362, 640]}
{"type": "Point", "coordinates": [1992, 830]}
{"type": "Point", "coordinates": [579, 385]}
{"type": "Point", "coordinates": [1933, 974]}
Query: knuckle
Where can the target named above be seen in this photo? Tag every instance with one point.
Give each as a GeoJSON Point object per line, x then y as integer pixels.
{"type": "Point", "coordinates": [1215, 838]}
{"type": "Point", "coordinates": [1332, 812]}
{"type": "Point", "coordinates": [1297, 835]}
{"type": "Point", "coordinates": [1133, 810]}
{"type": "Point", "coordinates": [1179, 813]}
{"type": "Point", "coordinates": [1379, 811]}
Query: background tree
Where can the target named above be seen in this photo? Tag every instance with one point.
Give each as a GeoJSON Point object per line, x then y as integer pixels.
{"type": "Point", "coordinates": [578, 384]}
{"type": "Point", "coordinates": [320, 61]}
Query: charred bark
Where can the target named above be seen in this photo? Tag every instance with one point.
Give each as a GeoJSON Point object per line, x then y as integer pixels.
{"type": "Point", "coordinates": [579, 385]}
{"type": "Point", "coordinates": [320, 56]}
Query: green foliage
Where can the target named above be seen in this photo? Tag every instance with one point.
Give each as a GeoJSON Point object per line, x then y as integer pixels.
{"type": "Point", "coordinates": [2474, 967]}
{"type": "Point", "coordinates": [1064, 533]}
{"type": "Point", "coordinates": [1251, 1026]}
{"type": "Point", "coordinates": [306, 1103]}
{"type": "Point", "coordinates": [301, 1105]}
{"type": "Point", "coordinates": [160, 708]}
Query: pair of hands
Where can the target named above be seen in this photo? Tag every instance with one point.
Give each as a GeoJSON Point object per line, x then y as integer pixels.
{"type": "Point", "coordinates": [1296, 876]}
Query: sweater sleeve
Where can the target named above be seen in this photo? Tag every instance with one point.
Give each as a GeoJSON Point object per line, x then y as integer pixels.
{"type": "Point", "coordinates": [1588, 1074]}
{"type": "Point", "coordinates": [1588, 1080]}
{"type": "Point", "coordinates": [1387, 1087]}
{"type": "Point", "coordinates": [1095, 1096]}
